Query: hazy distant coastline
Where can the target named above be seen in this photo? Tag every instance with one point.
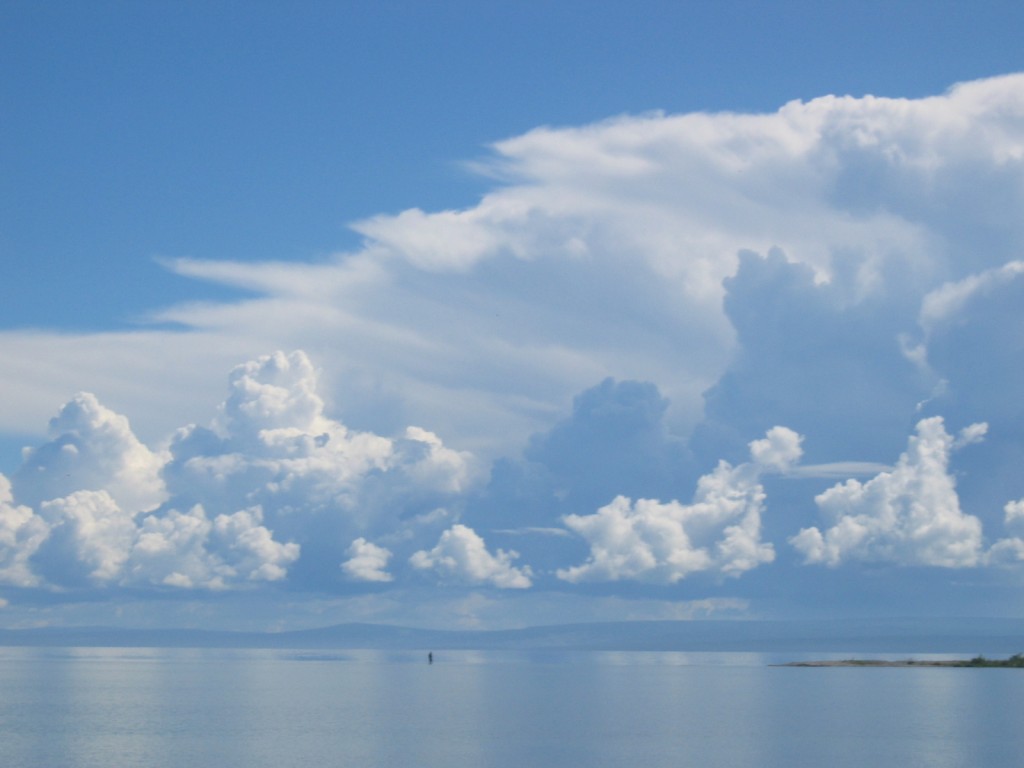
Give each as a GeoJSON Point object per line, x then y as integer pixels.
{"type": "Point", "coordinates": [996, 637]}
{"type": "Point", "coordinates": [1013, 662]}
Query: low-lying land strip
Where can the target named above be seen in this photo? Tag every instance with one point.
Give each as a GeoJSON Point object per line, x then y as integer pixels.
{"type": "Point", "coordinates": [1014, 662]}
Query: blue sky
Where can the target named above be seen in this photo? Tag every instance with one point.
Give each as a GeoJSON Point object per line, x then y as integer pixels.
{"type": "Point", "coordinates": [448, 313]}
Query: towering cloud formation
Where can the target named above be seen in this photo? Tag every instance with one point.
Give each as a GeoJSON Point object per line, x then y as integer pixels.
{"type": "Point", "coordinates": [233, 504]}
{"type": "Point", "coordinates": [843, 266]}
{"type": "Point", "coordinates": [91, 448]}
{"type": "Point", "coordinates": [909, 516]}
{"type": "Point", "coordinates": [720, 531]}
{"type": "Point", "coordinates": [277, 490]}
{"type": "Point", "coordinates": [603, 252]}
{"type": "Point", "coordinates": [315, 480]}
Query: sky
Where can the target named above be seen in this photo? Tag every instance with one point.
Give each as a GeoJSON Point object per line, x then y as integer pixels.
{"type": "Point", "coordinates": [501, 314]}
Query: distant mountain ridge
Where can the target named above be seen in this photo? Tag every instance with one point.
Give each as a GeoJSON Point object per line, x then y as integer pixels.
{"type": "Point", "coordinates": [969, 635]}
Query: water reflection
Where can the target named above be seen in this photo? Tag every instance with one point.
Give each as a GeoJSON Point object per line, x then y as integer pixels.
{"type": "Point", "coordinates": [199, 709]}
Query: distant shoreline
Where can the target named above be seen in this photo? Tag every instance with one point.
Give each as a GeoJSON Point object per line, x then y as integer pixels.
{"type": "Point", "coordinates": [809, 639]}
{"type": "Point", "coordinates": [1014, 662]}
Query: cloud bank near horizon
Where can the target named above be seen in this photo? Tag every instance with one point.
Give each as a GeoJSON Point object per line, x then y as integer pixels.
{"type": "Point", "coordinates": [846, 269]}
{"type": "Point", "coordinates": [277, 491]}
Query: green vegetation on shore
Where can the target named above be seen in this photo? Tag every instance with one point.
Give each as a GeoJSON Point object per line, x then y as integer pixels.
{"type": "Point", "coordinates": [1017, 660]}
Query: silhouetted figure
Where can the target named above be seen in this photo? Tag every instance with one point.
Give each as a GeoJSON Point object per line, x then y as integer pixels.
{"type": "Point", "coordinates": [430, 657]}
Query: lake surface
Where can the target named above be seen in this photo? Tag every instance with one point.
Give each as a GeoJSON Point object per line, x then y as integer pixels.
{"type": "Point", "coordinates": [96, 708]}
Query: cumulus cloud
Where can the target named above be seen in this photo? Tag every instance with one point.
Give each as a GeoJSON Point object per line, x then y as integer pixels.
{"type": "Point", "coordinates": [252, 552]}
{"type": "Point", "coordinates": [461, 555]}
{"type": "Point", "coordinates": [91, 448]}
{"type": "Point", "coordinates": [778, 450]}
{"type": "Point", "coordinates": [275, 446]}
{"type": "Point", "coordinates": [21, 532]}
{"type": "Point", "coordinates": [908, 516]}
{"type": "Point", "coordinates": [317, 482]}
{"type": "Point", "coordinates": [89, 539]}
{"type": "Point", "coordinates": [431, 465]}
{"type": "Point", "coordinates": [85, 539]}
{"type": "Point", "coordinates": [367, 561]}
{"type": "Point", "coordinates": [1010, 550]}
{"type": "Point", "coordinates": [1014, 511]}
{"type": "Point", "coordinates": [236, 503]}
{"type": "Point", "coordinates": [273, 394]}
{"type": "Point", "coordinates": [171, 550]}
{"type": "Point", "coordinates": [822, 266]}
{"type": "Point", "coordinates": [719, 531]}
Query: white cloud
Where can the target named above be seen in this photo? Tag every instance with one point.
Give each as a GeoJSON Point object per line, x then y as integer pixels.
{"type": "Point", "coordinates": [276, 447]}
{"type": "Point", "coordinates": [664, 542]}
{"type": "Point", "coordinates": [1014, 512]}
{"type": "Point", "coordinates": [21, 532]}
{"type": "Point", "coordinates": [171, 550]}
{"type": "Point", "coordinates": [91, 448]}
{"type": "Point", "coordinates": [969, 435]}
{"type": "Point", "coordinates": [1010, 550]}
{"type": "Point", "coordinates": [601, 252]}
{"type": "Point", "coordinates": [461, 555]}
{"type": "Point", "coordinates": [274, 473]}
{"type": "Point", "coordinates": [86, 539]}
{"type": "Point", "coordinates": [431, 465]}
{"type": "Point", "coordinates": [909, 516]}
{"type": "Point", "coordinates": [89, 537]}
{"type": "Point", "coordinates": [367, 561]}
{"type": "Point", "coordinates": [250, 548]}
{"type": "Point", "coordinates": [447, 240]}
{"type": "Point", "coordinates": [778, 450]}
{"type": "Point", "coordinates": [189, 551]}
{"type": "Point", "coordinates": [948, 301]}
{"type": "Point", "coordinates": [271, 393]}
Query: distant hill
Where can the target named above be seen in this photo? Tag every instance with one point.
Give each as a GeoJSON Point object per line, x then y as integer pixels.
{"type": "Point", "coordinates": [993, 636]}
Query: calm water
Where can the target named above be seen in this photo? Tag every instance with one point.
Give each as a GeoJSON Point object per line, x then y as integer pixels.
{"type": "Point", "coordinates": [96, 708]}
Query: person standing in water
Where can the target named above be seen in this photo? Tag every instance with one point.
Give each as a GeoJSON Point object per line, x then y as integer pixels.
{"type": "Point", "coordinates": [430, 657]}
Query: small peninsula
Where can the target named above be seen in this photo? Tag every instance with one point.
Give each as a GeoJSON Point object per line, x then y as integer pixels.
{"type": "Point", "coordinates": [1013, 662]}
